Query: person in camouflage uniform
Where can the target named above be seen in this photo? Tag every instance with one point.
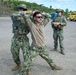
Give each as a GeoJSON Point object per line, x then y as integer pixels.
{"type": "Point", "coordinates": [20, 39]}
{"type": "Point", "coordinates": [36, 25]}
{"type": "Point", "coordinates": [57, 24]}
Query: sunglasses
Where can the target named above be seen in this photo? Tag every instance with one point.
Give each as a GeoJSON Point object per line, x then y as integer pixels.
{"type": "Point", "coordinates": [39, 17]}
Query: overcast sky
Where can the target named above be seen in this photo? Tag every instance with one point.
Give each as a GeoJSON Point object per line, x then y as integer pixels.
{"type": "Point", "coordinates": [63, 4]}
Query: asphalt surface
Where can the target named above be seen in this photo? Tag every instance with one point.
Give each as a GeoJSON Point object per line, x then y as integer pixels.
{"type": "Point", "coordinates": [40, 67]}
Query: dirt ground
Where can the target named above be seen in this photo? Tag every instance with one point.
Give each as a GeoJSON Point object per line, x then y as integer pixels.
{"type": "Point", "coordinates": [40, 67]}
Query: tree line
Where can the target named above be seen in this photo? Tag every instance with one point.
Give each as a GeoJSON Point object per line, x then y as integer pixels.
{"type": "Point", "coordinates": [31, 6]}
{"type": "Point", "coordinates": [12, 4]}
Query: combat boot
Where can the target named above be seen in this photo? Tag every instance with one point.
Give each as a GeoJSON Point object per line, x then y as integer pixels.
{"type": "Point", "coordinates": [55, 49]}
{"type": "Point", "coordinates": [27, 73]}
{"type": "Point", "coordinates": [16, 67]}
{"type": "Point", "coordinates": [62, 52]}
{"type": "Point", "coordinates": [56, 68]}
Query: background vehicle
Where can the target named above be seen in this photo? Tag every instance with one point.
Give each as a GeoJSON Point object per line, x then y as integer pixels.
{"type": "Point", "coordinates": [53, 15]}
{"type": "Point", "coordinates": [72, 16]}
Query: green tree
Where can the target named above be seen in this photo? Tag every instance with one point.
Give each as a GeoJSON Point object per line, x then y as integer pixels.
{"type": "Point", "coordinates": [67, 10]}
{"type": "Point", "coordinates": [50, 7]}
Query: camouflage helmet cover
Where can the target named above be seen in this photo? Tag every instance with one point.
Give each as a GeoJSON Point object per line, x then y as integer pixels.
{"type": "Point", "coordinates": [23, 6]}
{"type": "Point", "coordinates": [59, 10]}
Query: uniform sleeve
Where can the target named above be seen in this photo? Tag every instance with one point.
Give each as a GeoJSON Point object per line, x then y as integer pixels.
{"type": "Point", "coordinates": [63, 22]}
{"type": "Point", "coordinates": [46, 19]}
{"type": "Point", "coordinates": [28, 20]}
{"type": "Point", "coordinates": [13, 25]}
{"type": "Point", "coordinates": [52, 25]}
{"type": "Point", "coordinates": [12, 18]}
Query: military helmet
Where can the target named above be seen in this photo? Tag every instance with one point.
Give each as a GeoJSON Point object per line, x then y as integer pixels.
{"type": "Point", "coordinates": [59, 10]}
{"type": "Point", "coordinates": [22, 6]}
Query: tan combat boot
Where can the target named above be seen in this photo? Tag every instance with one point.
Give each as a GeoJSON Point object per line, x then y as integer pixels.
{"type": "Point", "coordinates": [27, 73]}
{"type": "Point", "coordinates": [55, 49]}
{"type": "Point", "coordinates": [16, 67]}
{"type": "Point", "coordinates": [56, 68]}
{"type": "Point", "coordinates": [62, 52]}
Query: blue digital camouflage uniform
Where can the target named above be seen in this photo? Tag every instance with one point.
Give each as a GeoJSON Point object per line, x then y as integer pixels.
{"type": "Point", "coordinates": [58, 31]}
{"type": "Point", "coordinates": [20, 39]}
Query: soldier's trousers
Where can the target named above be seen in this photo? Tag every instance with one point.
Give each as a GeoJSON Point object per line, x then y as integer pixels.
{"type": "Point", "coordinates": [34, 53]}
{"type": "Point", "coordinates": [41, 52]}
{"type": "Point", "coordinates": [58, 35]}
{"type": "Point", "coordinates": [18, 44]}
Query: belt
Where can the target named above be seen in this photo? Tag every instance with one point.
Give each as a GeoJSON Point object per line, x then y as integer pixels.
{"type": "Point", "coordinates": [20, 36]}
{"type": "Point", "coordinates": [38, 47]}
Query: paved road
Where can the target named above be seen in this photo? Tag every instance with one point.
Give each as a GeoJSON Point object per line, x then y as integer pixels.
{"type": "Point", "coordinates": [40, 67]}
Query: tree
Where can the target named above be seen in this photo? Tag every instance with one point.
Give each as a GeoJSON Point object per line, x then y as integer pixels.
{"type": "Point", "coordinates": [50, 7]}
{"type": "Point", "coordinates": [41, 7]}
{"type": "Point", "coordinates": [1, 1]}
{"type": "Point", "coordinates": [67, 10]}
